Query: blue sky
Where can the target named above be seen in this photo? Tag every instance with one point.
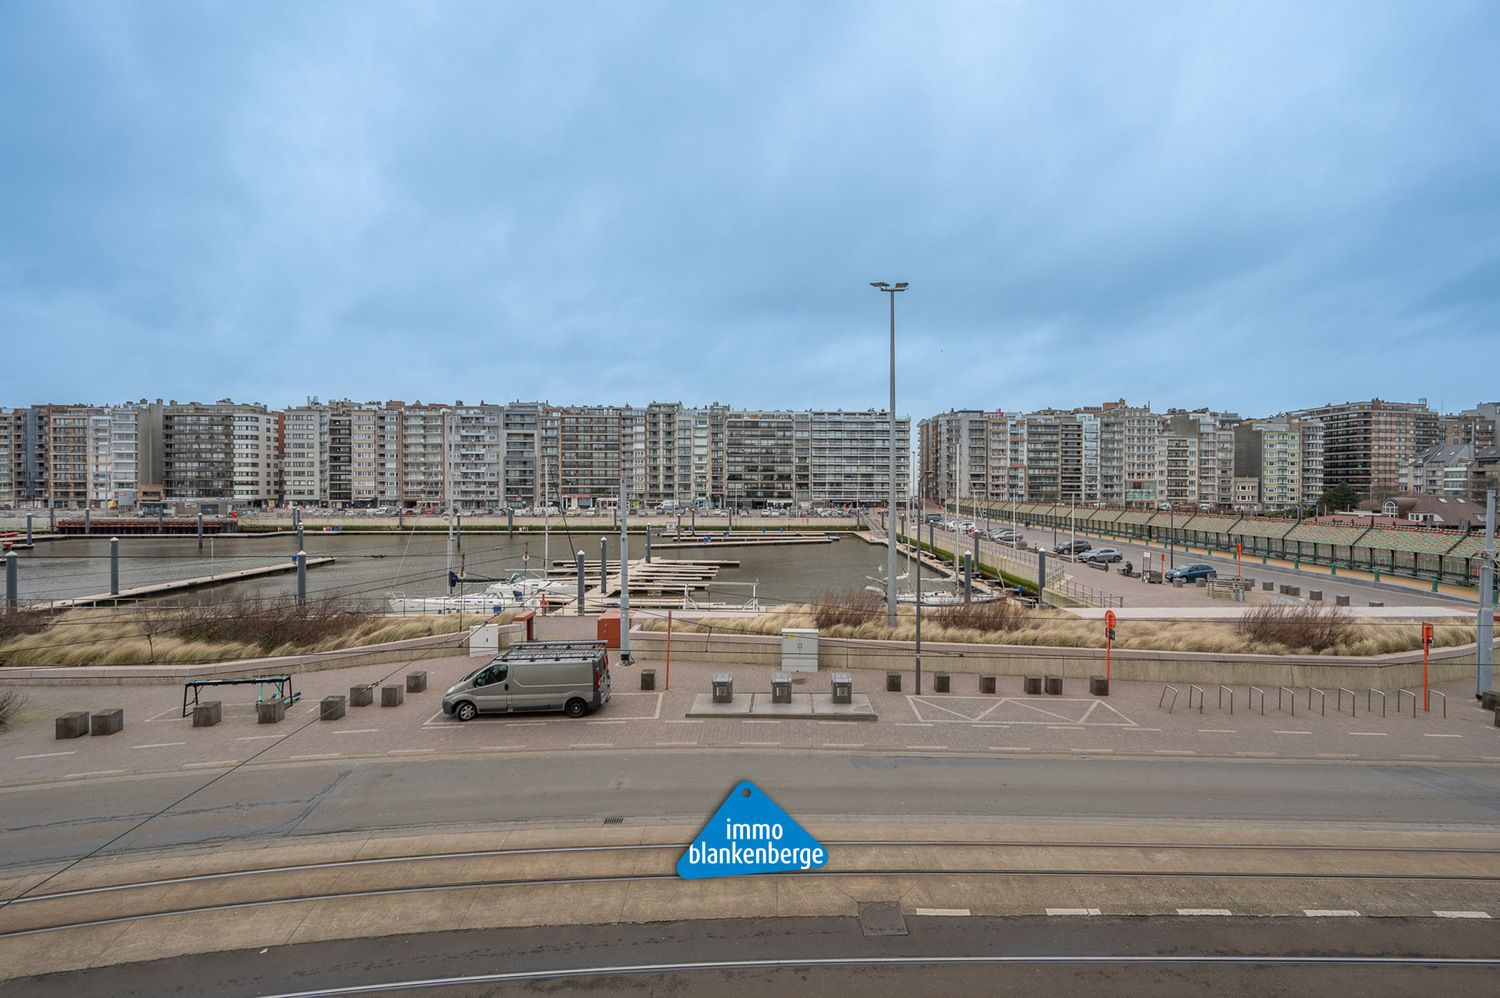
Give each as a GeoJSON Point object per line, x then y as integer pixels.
{"type": "Point", "coordinates": [1252, 206]}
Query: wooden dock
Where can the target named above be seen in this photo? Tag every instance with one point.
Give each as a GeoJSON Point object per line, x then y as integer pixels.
{"type": "Point", "coordinates": [181, 585]}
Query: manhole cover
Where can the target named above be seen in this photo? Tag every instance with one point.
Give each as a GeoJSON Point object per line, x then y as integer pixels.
{"type": "Point", "coordinates": [800, 681]}
{"type": "Point", "coordinates": [881, 918]}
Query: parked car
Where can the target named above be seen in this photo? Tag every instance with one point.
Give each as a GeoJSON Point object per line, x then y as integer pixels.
{"type": "Point", "coordinates": [1072, 547]}
{"type": "Point", "coordinates": [1189, 573]}
{"type": "Point", "coordinates": [1109, 555]}
{"type": "Point", "coordinates": [570, 676]}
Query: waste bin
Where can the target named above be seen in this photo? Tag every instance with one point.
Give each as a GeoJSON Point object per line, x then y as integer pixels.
{"type": "Point", "coordinates": [843, 688]}
{"type": "Point", "coordinates": [723, 688]}
{"type": "Point", "coordinates": [781, 687]}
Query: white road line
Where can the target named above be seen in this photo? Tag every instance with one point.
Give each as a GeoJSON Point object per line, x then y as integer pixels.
{"type": "Point", "coordinates": [1173, 751]}
{"type": "Point", "coordinates": [1139, 729]}
{"type": "Point", "coordinates": [945, 912]}
{"type": "Point", "coordinates": [1010, 748]}
{"type": "Point", "coordinates": [1330, 912]}
{"type": "Point", "coordinates": [1429, 734]}
{"type": "Point", "coordinates": [919, 747]}
{"type": "Point", "coordinates": [676, 744]}
{"type": "Point", "coordinates": [914, 724]}
{"type": "Point", "coordinates": [1072, 911]}
{"type": "Point", "coordinates": [1218, 731]}
{"type": "Point", "coordinates": [159, 745]}
{"type": "Point", "coordinates": [47, 755]}
{"type": "Point", "coordinates": [1369, 734]}
{"type": "Point", "coordinates": [434, 717]}
{"type": "Point", "coordinates": [843, 744]}
{"type": "Point", "coordinates": [1098, 751]}
{"type": "Point", "coordinates": [208, 765]}
{"type": "Point", "coordinates": [97, 772]}
{"type": "Point", "coordinates": [700, 722]}
{"type": "Point", "coordinates": [255, 738]}
{"type": "Point", "coordinates": [1204, 911]}
{"type": "Point", "coordinates": [619, 721]}
{"type": "Point", "coordinates": [410, 751]}
{"type": "Point", "coordinates": [1277, 732]}
{"type": "Point", "coordinates": [318, 755]}
{"type": "Point", "coordinates": [1462, 914]}
{"type": "Point", "coordinates": [760, 744]}
{"type": "Point", "coordinates": [357, 731]}
{"type": "Point", "coordinates": [1066, 727]}
{"type": "Point", "coordinates": [1258, 755]}
{"type": "Point", "coordinates": [1419, 757]}
{"type": "Point", "coordinates": [1334, 755]}
{"type": "Point", "coordinates": [989, 725]}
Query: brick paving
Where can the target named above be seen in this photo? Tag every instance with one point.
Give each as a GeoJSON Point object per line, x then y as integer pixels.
{"type": "Point", "coordinates": [1129, 722]}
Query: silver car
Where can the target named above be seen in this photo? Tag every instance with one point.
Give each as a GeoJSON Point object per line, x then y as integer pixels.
{"type": "Point", "coordinates": [570, 676]}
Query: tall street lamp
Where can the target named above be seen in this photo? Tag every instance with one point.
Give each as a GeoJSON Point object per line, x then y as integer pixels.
{"type": "Point", "coordinates": [890, 508]}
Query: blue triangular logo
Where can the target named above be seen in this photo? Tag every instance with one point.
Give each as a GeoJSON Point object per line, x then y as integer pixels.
{"type": "Point", "coordinates": [750, 833]}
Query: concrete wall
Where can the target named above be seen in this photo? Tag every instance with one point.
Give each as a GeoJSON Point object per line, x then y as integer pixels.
{"type": "Point", "coordinates": [1387, 672]}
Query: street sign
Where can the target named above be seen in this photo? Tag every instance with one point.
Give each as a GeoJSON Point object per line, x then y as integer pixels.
{"type": "Point", "coordinates": [1109, 619]}
{"type": "Point", "coordinates": [1426, 633]}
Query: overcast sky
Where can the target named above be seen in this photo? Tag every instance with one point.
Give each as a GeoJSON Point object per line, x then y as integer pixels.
{"type": "Point", "coordinates": [1251, 206]}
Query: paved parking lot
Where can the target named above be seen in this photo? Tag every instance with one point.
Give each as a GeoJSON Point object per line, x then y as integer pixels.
{"type": "Point", "coordinates": [1137, 719]}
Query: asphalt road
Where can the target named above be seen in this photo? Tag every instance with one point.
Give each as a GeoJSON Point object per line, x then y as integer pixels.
{"type": "Point", "coordinates": [373, 962]}
{"type": "Point", "coordinates": [62, 821]}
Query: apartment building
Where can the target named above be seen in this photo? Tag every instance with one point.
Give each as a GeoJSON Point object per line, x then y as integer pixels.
{"type": "Point", "coordinates": [1269, 453]}
{"type": "Point", "coordinates": [1127, 454]}
{"type": "Point", "coordinates": [475, 440]}
{"type": "Point", "coordinates": [12, 455]}
{"type": "Point", "coordinates": [424, 450]}
{"type": "Point", "coordinates": [1442, 470]}
{"type": "Point", "coordinates": [1366, 444]}
{"type": "Point", "coordinates": [306, 456]}
{"type": "Point", "coordinates": [1208, 438]}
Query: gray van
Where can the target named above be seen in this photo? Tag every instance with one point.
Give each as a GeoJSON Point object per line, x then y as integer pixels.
{"type": "Point", "coordinates": [570, 676]}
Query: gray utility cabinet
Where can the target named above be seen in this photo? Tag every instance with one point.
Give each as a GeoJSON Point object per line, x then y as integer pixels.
{"type": "Point", "coordinates": [799, 650]}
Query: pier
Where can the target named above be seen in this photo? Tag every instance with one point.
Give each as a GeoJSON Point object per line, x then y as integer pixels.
{"type": "Point", "coordinates": [179, 585]}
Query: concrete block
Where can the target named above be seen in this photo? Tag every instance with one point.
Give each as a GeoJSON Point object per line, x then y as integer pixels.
{"type": "Point", "coordinates": [74, 724]}
{"type": "Point", "coordinates": [1268, 586]}
{"type": "Point", "coordinates": [843, 688]}
{"type": "Point", "coordinates": [648, 679]}
{"type": "Point", "coordinates": [1032, 685]}
{"type": "Point", "coordinates": [1377, 602]}
{"type": "Point", "coordinates": [1341, 600]}
{"type": "Point", "coordinates": [107, 722]}
{"type": "Point", "coordinates": [1315, 595]}
{"type": "Point", "coordinates": [392, 696]}
{"type": "Point", "coordinates": [1488, 700]}
{"type": "Point", "coordinates": [723, 687]}
{"type": "Point", "coordinates": [206, 715]}
{"type": "Point", "coordinates": [416, 682]}
{"type": "Point", "coordinates": [270, 711]}
{"type": "Point", "coordinates": [1054, 686]}
{"type": "Point", "coordinates": [986, 684]}
{"type": "Point", "coordinates": [1201, 583]}
{"type": "Point", "coordinates": [1294, 590]}
{"type": "Point", "coordinates": [893, 682]}
{"type": "Point", "coordinates": [1099, 686]}
{"type": "Point", "coordinates": [1177, 583]}
{"type": "Point", "coordinates": [331, 709]}
{"type": "Point", "coordinates": [940, 683]}
{"type": "Point", "coordinates": [361, 696]}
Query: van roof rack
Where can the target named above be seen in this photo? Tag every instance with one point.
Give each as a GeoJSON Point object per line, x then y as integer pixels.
{"type": "Point", "coordinates": [531, 651]}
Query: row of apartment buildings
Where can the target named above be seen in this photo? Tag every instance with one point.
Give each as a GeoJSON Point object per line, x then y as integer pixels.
{"type": "Point", "coordinates": [1125, 455]}
{"type": "Point", "coordinates": [346, 454]}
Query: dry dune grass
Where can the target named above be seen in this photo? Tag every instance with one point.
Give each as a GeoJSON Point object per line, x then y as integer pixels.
{"type": "Point", "coordinates": [851, 616]}
{"type": "Point", "coordinates": [217, 633]}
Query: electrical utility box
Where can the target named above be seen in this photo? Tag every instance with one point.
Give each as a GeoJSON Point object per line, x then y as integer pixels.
{"type": "Point", "coordinates": [799, 649]}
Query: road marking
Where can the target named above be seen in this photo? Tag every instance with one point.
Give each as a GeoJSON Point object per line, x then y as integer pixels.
{"type": "Point", "coordinates": [761, 744]}
{"type": "Point", "coordinates": [843, 744]}
{"type": "Point", "coordinates": [1204, 911]}
{"type": "Point", "coordinates": [1066, 727]}
{"type": "Point", "coordinates": [159, 745]}
{"type": "Point", "coordinates": [1330, 912]}
{"type": "Point", "coordinates": [47, 755]}
{"type": "Point", "coordinates": [1173, 751]}
{"type": "Point", "coordinates": [1370, 734]}
{"type": "Point", "coordinates": [410, 751]}
{"type": "Point", "coordinates": [1102, 751]}
{"type": "Point", "coordinates": [1429, 734]}
{"type": "Point", "coordinates": [700, 722]}
{"type": "Point", "coordinates": [619, 720]}
{"type": "Point", "coordinates": [1218, 731]}
{"type": "Point", "coordinates": [209, 765]}
{"type": "Point", "coordinates": [914, 724]}
{"type": "Point", "coordinates": [1277, 732]}
{"type": "Point", "coordinates": [319, 755]}
{"type": "Point", "coordinates": [97, 772]}
{"type": "Point", "coordinates": [927, 746]}
{"type": "Point", "coordinates": [989, 725]}
{"type": "Point", "coordinates": [1010, 748]}
{"type": "Point", "coordinates": [255, 738]}
{"type": "Point", "coordinates": [1072, 911]}
{"type": "Point", "coordinates": [592, 745]}
{"type": "Point", "coordinates": [675, 744]}
{"type": "Point", "coordinates": [357, 731]}
{"type": "Point", "coordinates": [945, 912]}
{"type": "Point", "coordinates": [1140, 729]}
{"type": "Point", "coordinates": [1462, 914]}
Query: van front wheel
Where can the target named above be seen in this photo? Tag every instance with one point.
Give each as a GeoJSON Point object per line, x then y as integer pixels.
{"type": "Point", "coordinates": [576, 708]}
{"type": "Point", "coordinates": [465, 711]}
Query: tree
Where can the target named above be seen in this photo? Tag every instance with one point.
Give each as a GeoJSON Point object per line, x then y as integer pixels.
{"type": "Point", "coordinates": [1339, 498]}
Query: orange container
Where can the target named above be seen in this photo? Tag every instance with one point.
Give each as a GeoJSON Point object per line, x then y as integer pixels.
{"type": "Point", "coordinates": [609, 628]}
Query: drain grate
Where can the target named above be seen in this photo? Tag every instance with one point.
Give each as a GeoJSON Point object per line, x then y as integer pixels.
{"type": "Point", "coordinates": [881, 918]}
{"type": "Point", "coordinates": [614, 821]}
{"type": "Point", "coordinates": [800, 681]}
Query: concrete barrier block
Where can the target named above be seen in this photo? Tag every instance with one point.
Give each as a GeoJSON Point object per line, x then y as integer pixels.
{"type": "Point", "coordinates": [1490, 700]}
{"type": "Point", "coordinates": [1099, 686]}
{"type": "Point", "coordinates": [1268, 586]}
{"type": "Point", "coordinates": [893, 682]}
{"type": "Point", "coordinates": [107, 722]}
{"type": "Point", "coordinates": [416, 682]}
{"type": "Point", "coordinates": [1054, 686]}
{"type": "Point", "coordinates": [1377, 602]}
{"type": "Point", "coordinates": [270, 711]}
{"type": "Point", "coordinates": [331, 709]}
{"type": "Point", "coordinates": [1315, 595]}
{"type": "Point", "coordinates": [1032, 685]}
{"type": "Point", "coordinates": [1294, 590]}
{"type": "Point", "coordinates": [206, 715]}
{"type": "Point", "coordinates": [74, 724]}
{"type": "Point", "coordinates": [940, 682]}
{"type": "Point", "coordinates": [361, 696]}
{"type": "Point", "coordinates": [648, 679]}
{"type": "Point", "coordinates": [1341, 600]}
{"type": "Point", "coordinates": [392, 696]}
{"type": "Point", "coordinates": [986, 684]}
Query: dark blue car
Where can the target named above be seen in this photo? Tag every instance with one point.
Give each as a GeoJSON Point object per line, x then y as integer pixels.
{"type": "Point", "coordinates": [1188, 573]}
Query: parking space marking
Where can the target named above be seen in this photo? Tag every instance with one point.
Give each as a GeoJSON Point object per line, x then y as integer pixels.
{"type": "Point", "coordinates": [927, 746]}
{"type": "Point", "coordinates": [1072, 911]}
{"type": "Point", "coordinates": [208, 765]}
{"type": "Point", "coordinates": [316, 755]}
{"type": "Point", "coordinates": [761, 744]}
{"type": "Point", "coordinates": [1462, 914]}
{"type": "Point", "coordinates": [687, 721]}
{"type": "Point", "coordinates": [1431, 734]}
{"type": "Point", "coordinates": [162, 715]}
{"type": "Point", "coordinates": [1065, 727]}
{"type": "Point", "coordinates": [1276, 732]}
{"type": "Point", "coordinates": [619, 721]}
{"type": "Point", "coordinates": [1096, 751]}
{"type": "Point", "coordinates": [1330, 912]}
{"type": "Point", "coordinates": [97, 772]}
{"type": "Point", "coordinates": [944, 912]}
{"type": "Point", "coordinates": [1134, 728]}
{"type": "Point", "coordinates": [1204, 911]}
{"type": "Point", "coordinates": [47, 755]}
{"type": "Point", "coordinates": [410, 751]}
{"type": "Point", "coordinates": [1010, 748]}
{"type": "Point", "coordinates": [1173, 751]}
{"type": "Point", "coordinates": [255, 738]}
{"type": "Point", "coordinates": [843, 744]}
{"type": "Point", "coordinates": [434, 717]}
{"type": "Point", "coordinates": [989, 725]}
{"type": "Point", "coordinates": [1218, 731]}
{"type": "Point", "coordinates": [592, 745]}
{"type": "Point", "coordinates": [159, 745]}
{"type": "Point", "coordinates": [357, 731]}
{"type": "Point", "coordinates": [1258, 755]}
{"type": "Point", "coordinates": [676, 744]}
{"type": "Point", "coordinates": [916, 724]}
{"type": "Point", "coordinates": [1369, 734]}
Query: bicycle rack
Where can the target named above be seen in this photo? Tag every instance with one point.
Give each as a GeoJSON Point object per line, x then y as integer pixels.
{"type": "Point", "coordinates": [1254, 690]}
{"type": "Point", "coordinates": [1322, 699]}
{"type": "Point", "coordinates": [1222, 691]}
{"type": "Point", "coordinates": [1409, 693]}
{"type": "Point", "coordinates": [1368, 701]}
{"type": "Point", "coordinates": [1342, 691]}
{"type": "Point", "coordinates": [1284, 694]}
{"type": "Point", "coordinates": [1164, 690]}
{"type": "Point", "coordinates": [1445, 702]}
{"type": "Point", "coordinates": [1199, 691]}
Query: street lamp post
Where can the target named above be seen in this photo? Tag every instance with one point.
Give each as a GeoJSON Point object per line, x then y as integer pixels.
{"type": "Point", "coordinates": [890, 532]}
